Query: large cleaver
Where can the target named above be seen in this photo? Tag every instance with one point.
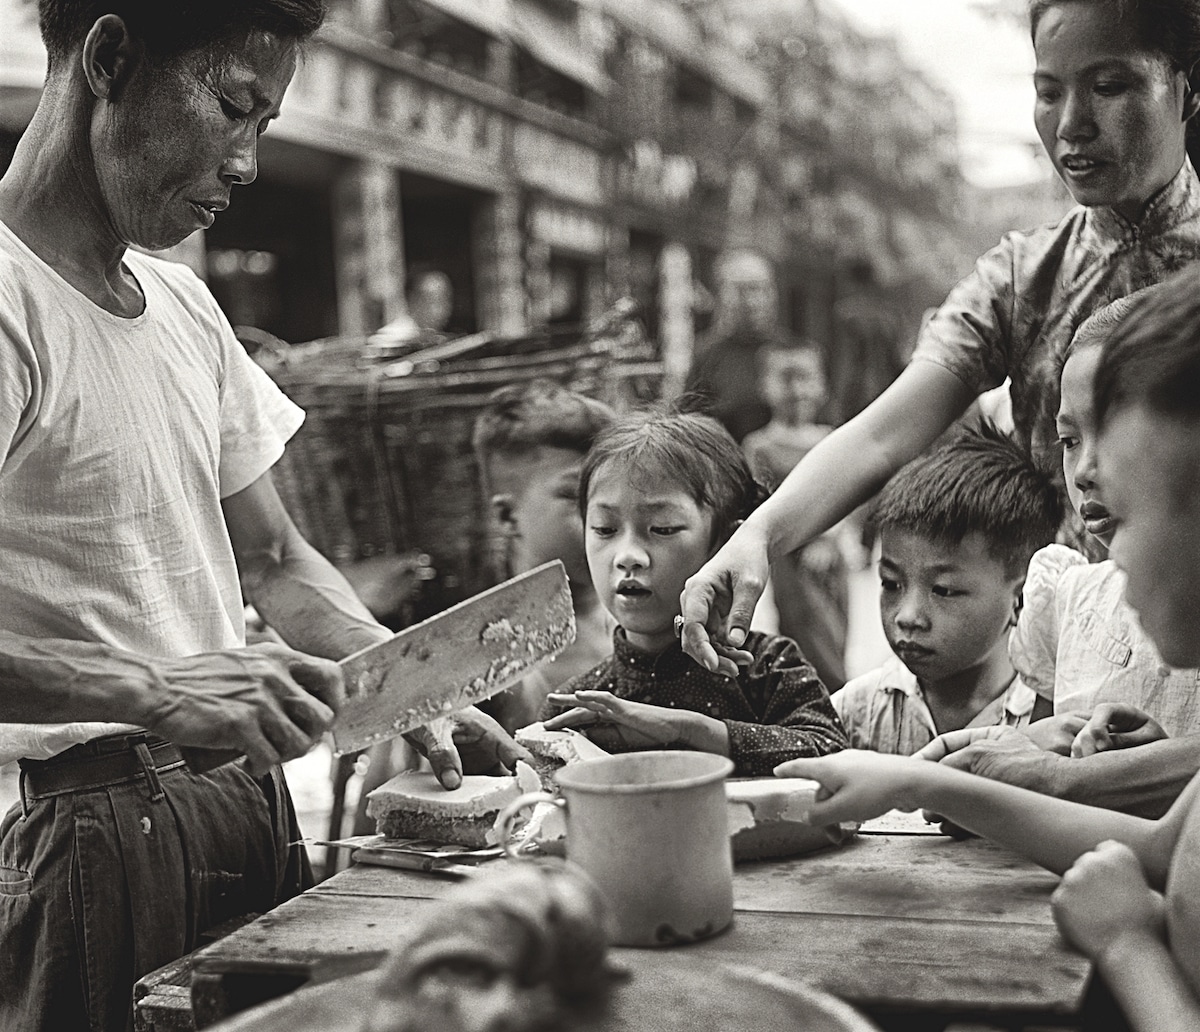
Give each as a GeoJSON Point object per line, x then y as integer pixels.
{"type": "Point", "coordinates": [459, 657]}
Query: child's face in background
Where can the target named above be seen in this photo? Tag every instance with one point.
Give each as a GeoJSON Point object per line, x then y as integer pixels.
{"type": "Point", "coordinates": [1150, 466]}
{"type": "Point", "coordinates": [945, 608]}
{"type": "Point", "coordinates": [793, 384]}
{"type": "Point", "coordinates": [643, 539]}
{"type": "Point", "coordinates": [536, 499]}
{"type": "Point", "coordinates": [1076, 428]}
{"type": "Point", "coordinates": [1109, 112]}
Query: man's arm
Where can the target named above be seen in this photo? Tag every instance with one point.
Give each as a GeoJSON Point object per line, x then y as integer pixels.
{"type": "Point", "coordinates": [295, 588]}
{"type": "Point", "coordinates": [1144, 780]}
{"type": "Point", "coordinates": [263, 701]}
{"type": "Point", "coordinates": [303, 597]}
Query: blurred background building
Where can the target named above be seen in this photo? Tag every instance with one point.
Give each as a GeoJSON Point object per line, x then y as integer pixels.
{"type": "Point", "coordinates": [550, 155]}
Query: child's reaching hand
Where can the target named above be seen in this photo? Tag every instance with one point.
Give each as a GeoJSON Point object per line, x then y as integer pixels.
{"type": "Point", "coordinates": [856, 785]}
{"type": "Point", "coordinates": [614, 723]}
{"type": "Point", "coordinates": [1105, 897]}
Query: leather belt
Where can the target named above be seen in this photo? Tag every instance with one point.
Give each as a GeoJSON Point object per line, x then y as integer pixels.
{"type": "Point", "coordinates": [101, 763]}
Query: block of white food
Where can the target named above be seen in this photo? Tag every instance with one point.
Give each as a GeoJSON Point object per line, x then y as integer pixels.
{"type": "Point", "coordinates": [767, 819]}
{"type": "Point", "coordinates": [414, 805]}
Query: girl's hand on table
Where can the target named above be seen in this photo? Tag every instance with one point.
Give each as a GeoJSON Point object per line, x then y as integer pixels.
{"type": "Point", "coordinates": [1114, 725]}
{"type": "Point", "coordinates": [615, 723]}
{"type": "Point", "coordinates": [1105, 896]}
{"type": "Point", "coordinates": [856, 785]}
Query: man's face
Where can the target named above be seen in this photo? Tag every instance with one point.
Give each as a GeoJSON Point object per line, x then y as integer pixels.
{"type": "Point", "coordinates": [537, 499]}
{"type": "Point", "coordinates": [1148, 470]}
{"type": "Point", "coordinates": [432, 301]}
{"type": "Point", "coordinates": [793, 382]}
{"type": "Point", "coordinates": [747, 292]}
{"type": "Point", "coordinates": [177, 138]}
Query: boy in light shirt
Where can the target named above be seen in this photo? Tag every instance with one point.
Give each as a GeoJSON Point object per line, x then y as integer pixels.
{"type": "Point", "coordinates": [957, 528]}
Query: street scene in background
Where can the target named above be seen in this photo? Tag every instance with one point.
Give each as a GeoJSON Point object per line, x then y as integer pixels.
{"type": "Point", "coordinates": [595, 514]}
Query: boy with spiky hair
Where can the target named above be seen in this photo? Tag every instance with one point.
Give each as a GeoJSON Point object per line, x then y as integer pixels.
{"type": "Point", "coordinates": [957, 528]}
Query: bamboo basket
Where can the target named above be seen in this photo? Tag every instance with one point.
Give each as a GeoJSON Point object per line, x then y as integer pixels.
{"type": "Point", "coordinates": [384, 464]}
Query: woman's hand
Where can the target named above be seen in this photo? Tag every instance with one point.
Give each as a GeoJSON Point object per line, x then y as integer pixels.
{"type": "Point", "coordinates": [856, 785]}
{"type": "Point", "coordinates": [1057, 733]}
{"type": "Point", "coordinates": [618, 724]}
{"type": "Point", "coordinates": [1114, 725]}
{"type": "Point", "coordinates": [1103, 897]}
{"type": "Point", "coordinates": [718, 602]}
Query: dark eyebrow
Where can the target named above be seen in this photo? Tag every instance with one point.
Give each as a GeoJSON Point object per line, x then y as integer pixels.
{"type": "Point", "coordinates": [1108, 64]}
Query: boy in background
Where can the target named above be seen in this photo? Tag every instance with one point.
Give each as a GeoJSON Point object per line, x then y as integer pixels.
{"type": "Point", "coordinates": [957, 528]}
{"type": "Point", "coordinates": [811, 587]}
{"type": "Point", "coordinates": [529, 443]}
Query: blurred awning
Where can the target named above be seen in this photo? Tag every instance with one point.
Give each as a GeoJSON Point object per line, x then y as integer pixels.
{"type": "Point", "coordinates": [557, 46]}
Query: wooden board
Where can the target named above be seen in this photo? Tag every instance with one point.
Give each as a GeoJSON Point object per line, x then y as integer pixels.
{"type": "Point", "coordinates": [656, 998]}
{"type": "Point", "coordinates": [947, 966]}
{"type": "Point", "coordinates": [885, 876]}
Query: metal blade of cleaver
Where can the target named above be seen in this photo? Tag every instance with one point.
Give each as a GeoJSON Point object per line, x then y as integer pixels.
{"type": "Point", "coordinates": [459, 657]}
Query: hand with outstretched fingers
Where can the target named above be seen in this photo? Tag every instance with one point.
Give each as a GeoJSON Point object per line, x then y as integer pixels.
{"type": "Point", "coordinates": [618, 724]}
{"type": "Point", "coordinates": [856, 785]}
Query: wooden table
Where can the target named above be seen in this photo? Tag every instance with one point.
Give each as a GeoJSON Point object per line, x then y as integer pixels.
{"type": "Point", "coordinates": [906, 926]}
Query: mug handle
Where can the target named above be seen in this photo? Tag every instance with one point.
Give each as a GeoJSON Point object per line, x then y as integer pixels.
{"type": "Point", "coordinates": [504, 822]}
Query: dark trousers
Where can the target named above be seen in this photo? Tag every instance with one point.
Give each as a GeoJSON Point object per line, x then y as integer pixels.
{"type": "Point", "coordinates": [103, 884]}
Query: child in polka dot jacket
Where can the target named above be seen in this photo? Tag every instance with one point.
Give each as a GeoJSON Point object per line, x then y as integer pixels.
{"type": "Point", "coordinates": [659, 494]}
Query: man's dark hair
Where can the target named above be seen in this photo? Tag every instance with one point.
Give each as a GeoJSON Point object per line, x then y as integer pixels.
{"type": "Point", "coordinates": [981, 482]}
{"type": "Point", "coordinates": [1152, 356]}
{"type": "Point", "coordinates": [524, 416]}
{"type": "Point", "coordinates": [169, 28]}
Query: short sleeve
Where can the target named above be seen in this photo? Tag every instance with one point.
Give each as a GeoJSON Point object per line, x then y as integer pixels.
{"type": "Point", "coordinates": [257, 419]}
{"type": "Point", "coordinates": [17, 378]}
{"type": "Point", "coordinates": [1033, 645]}
{"type": "Point", "coordinates": [970, 334]}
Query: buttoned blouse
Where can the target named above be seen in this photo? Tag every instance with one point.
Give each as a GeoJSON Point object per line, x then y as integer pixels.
{"type": "Point", "coordinates": [777, 709]}
{"type": "Point", "coordinates": [1079, 643]}
{"type": "Point", "coordinates": [1015, 314]}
